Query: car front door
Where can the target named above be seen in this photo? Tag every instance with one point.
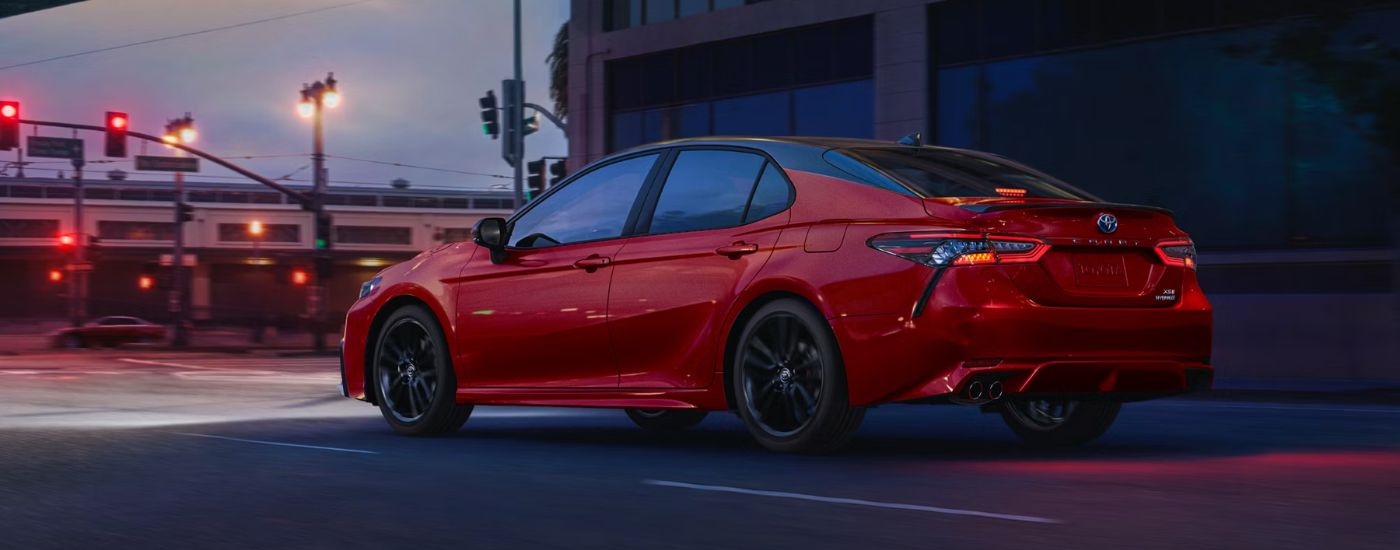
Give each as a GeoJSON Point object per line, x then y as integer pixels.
{"type": "Point", "coordinates": [538, 319]}
{"type": "Point", "coordinates": [715, 221]}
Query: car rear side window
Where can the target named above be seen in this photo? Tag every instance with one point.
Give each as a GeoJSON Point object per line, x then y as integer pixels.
{"type": "Point", "coordinates": [937, 172]}
{"type": "Point", "coordinates": [593, 207]}
{"type": "Point", "coordinates": [706, 189]}
{"type": "Point", "coordinates": [772, 195]}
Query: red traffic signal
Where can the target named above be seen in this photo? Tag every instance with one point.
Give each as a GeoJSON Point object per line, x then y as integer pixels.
{"type": "Point", "coordinates": [117, 124]}
{"type": "Point", "coordinates": [145, 282]}
{"type": "Point", "coordinates": [300, 277]}
{"type": "Point", "coordinates": [55, 275]}
{"type": "Point", "coordinates": [9, 125]}
{"type": "Point", "coordinates": [67, 241]}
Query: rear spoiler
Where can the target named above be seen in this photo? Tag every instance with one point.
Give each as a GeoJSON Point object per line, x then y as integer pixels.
{"type": "Point", "coordinates": [998, 207]}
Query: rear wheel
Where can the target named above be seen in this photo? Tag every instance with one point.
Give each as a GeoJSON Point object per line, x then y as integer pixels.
{"type": "Point", "coordinates": [1059, 422]}
{"type": "Point", "coordinates": [73, 341]}
{"type": "Point", "coordinates": [666, 420]}
{"type": "Point", "coordinates": [789, 382]}
{"type": "Point", "coordinates": [416, 387]}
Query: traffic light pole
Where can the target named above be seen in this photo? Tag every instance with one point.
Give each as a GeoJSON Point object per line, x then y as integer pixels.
{"type": "Point", "coordinates": [77, 274]}
{"type": "Point", "coordinates": [514, 117]}
{"type": "Point", "coordinates": [322, 255]}
{"type": "Point", "coordinates": [177, 280]}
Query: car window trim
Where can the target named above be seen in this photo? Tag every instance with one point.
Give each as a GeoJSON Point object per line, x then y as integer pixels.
{"type": "Point", "coordinates": [649, 209]}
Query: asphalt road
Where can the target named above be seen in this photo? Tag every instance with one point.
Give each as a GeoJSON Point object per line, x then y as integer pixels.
{"type": "Point", "coordinates": [140, 449]}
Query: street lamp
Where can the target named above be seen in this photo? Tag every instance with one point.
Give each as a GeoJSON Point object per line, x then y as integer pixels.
{"type": "Point", "coordinates": [315, 98]}
{"type": "Point", "coordinates": [255, 230]}
{"type": "Point", "coordinates": [179, 130]}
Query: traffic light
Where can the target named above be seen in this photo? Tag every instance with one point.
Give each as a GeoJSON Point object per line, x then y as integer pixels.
{"type": "Point", "coordinates": [490, 124]}
{"type": "Point", "coordinates": [9, 125]}
{"type": "Point", "coordinates": [67, 242]}
{"type": "Point", "coordinates": [300, 276]}
{"type": "Point", "coordinates": [145, 282]}
{"type": "Point", "coordinates": [534, 179]}
{"type": "Point", "coordinates": [55, 275]}
{"type": "Point", "coordinates": [117, 124]}
{"type": "Point", "coordinates": [186, 211]}
{"type": "Point", "coordinates": [323, 231]}
{"type": "Point", "coordinates": [531, 124]}
{"type": "Point", "coordinates": [557, 172]}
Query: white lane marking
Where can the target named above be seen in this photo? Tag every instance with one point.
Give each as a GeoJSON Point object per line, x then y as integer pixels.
{"type": "Point", "coordinates": [851, 501]}
{"type": "Point", "coordinates": [1270, 407]}
{"type": "Point", "coordinates": [279, 444]}
{"type": "Point", "coordinates": [165, 364]}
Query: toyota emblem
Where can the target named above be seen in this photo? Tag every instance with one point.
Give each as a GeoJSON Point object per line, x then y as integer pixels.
{"type": "Point", "coordinates": [1108, 223]}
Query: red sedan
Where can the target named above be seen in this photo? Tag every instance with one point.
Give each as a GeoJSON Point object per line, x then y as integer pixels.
{"type": "Point", "coordinates": [797, 282]}
{"type": "Point", "coordinates": [109, 331]}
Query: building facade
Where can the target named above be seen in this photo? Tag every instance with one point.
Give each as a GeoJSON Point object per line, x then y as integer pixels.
{"type": "Point", "coordinates": [240, 274]}
{"type": "Point", "coordinates": [1284, 175]}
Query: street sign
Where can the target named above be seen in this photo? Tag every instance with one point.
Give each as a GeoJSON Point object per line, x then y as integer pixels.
{"type": "Point", "coordinates": [189, 260]}
{"type": "Point", "coordinates": [167, 164]}
{"type": "Point", "coordinates": [55, 147]}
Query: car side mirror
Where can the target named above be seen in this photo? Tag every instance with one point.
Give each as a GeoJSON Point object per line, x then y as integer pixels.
{"type": "Point", "coordinates": [491, 233]}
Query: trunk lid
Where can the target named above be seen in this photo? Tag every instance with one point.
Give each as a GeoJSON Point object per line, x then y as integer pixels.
{"type": "Point", "coordinates": [1101, 254]}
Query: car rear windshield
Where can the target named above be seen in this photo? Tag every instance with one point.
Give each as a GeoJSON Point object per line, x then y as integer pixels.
{"type": "Point", "coordinates": [934, 173]}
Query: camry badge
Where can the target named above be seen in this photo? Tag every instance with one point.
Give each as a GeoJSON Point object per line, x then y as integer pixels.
{"type": "Point", "coordinates": [1108, 223]}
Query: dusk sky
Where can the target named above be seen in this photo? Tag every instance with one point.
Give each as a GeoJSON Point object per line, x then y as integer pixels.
{"type": "Point", "coordinates": [410, 72]}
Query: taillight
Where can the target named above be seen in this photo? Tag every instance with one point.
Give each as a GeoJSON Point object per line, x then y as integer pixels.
{"type": "Point", "coordinates": [949, 249]}
{"type": "Point", "coordinates": [1178, 253]}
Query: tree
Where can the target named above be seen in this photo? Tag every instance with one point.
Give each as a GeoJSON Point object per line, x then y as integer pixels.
{"type": "Point", "coordinates": [558, 60]}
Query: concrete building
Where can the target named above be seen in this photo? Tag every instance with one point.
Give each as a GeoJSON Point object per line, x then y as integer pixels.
{"type": "Point", "coordinates": [1283, 183]}
{"type": "Point", "coordinates": [239, 276]}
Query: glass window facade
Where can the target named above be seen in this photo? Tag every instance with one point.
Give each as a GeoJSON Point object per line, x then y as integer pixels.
{"type": "Point", "coordinates": [621, 14]}
{"type": "Point", "coordinates": [368, 234]}
{"type": "Point", "coordinates": [28, 229]}
{"type": "Point", "coordinates": [272, 233]}
{"type": "Point", "coordinates": [135, 230]}
{"type": "Point", "coordinates": [1247, 153]}
{"type": "Point", "coordinates": [806, 81]}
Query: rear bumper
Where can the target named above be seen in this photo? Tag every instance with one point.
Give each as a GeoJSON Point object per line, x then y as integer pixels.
{"type": "Point", "coordinates": [997, 334]}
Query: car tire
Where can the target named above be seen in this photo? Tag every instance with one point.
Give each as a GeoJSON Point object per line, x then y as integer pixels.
{"type": "Point", "coordinates": [1059, 423]}
{"type": "Point", "coordinates": [72, 341]}
{"type": "Point", "coordinates": [789, 382]}
{"type": "Point", "coordinates": [666, 420]}
{"type": "Point", "coordinates": [413, 377]}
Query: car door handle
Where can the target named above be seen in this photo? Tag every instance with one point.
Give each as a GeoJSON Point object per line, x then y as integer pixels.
{"type": "Point", "coordinates": [593, 262]}
{"type": "Point", "coordinates": [737, 249]}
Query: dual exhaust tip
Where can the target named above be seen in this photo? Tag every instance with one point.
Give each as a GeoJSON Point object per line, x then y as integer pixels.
{"type": "Point", "coordinates": [991, 391]}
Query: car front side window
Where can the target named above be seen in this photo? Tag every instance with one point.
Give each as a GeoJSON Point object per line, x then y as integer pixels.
{"type": "Point", "coordinates": [593, 207]}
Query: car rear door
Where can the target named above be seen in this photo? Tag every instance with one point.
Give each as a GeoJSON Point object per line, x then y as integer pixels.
{"type": "Point", "coordinates": [705, 232]}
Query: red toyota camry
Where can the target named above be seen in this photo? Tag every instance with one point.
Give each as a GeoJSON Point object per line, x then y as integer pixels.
{"type": "Point", "coordinates": [797, 282]}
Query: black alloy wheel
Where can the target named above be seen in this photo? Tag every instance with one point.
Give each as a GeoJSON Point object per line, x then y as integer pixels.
{"type": "Point", "coordinates": [413, 376]}
{"type": "Point", "coordinates": [790, 383]}
{"type": "Point", "coordinates": [1059, 422]}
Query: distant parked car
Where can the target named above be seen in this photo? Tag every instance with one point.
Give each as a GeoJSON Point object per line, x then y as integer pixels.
{"type": "Point", "coordinates": [109, 331]}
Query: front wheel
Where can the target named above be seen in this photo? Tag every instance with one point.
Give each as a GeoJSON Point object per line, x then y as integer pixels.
{"type": "Point", "coordinates": [1059, 422]}
{"type": "Point", "coordinates": [416, 387]}
{"type": "Point", "coordinates": [666, 420]}
{"type": "Point", "coordinates": [789, 382]}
